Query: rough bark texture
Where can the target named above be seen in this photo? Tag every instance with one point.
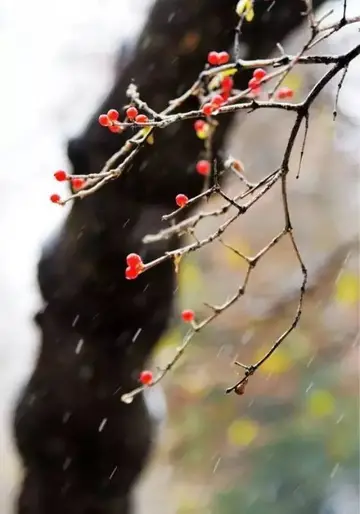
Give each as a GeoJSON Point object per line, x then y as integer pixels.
{"type": "Point", "coordinates": [82, 448]}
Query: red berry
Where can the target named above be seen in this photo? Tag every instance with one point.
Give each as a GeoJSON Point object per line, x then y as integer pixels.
{"type": "Point", "coordinates": [227, 84]}
{"type": "Point", "coordinates": [217, 100]}
{"type": "Point", "coordinates": [104, 120]}
{"type": "Point", "coordinates": [115, 129]}
{"type": "Point", "coordinates": [285, 92]}
{"type": "Point", "coordinates": [223, 57]}
{"type": "Point", "coordinates": [253, 83]}
{"type": "Point", "coordinates": [281, 93]}
{"type": "Point", "coordinates": [54, 198]}
{"type": "Point", "coordinates": [181, 200]}
{"type": "Point", "coordinates": [132, 112]}
{"type": "Point", "coordinates": [141, 118]}
{"type": "Point", "coordinates": [60, 175]}
{"type": "Point", "coordinates": [188, 315]}
{"type": "Point", "coordinates": [259, 74]}
{"type": "Point", "coordinates": [131, 273]}
{"type": "Point", "coordinates": [199, 125]}
{"type": "Point", "coordinates": [133, 260]}
{"type": "Point", "coordinates": [226, 96]}
{"type": "Point", "coordinates": [213, 58]}
{"type": "Point", "coordinates": [146, 377]}
{"type": "Point", "coordinates": [203, 167]}
{"type": "Point", "coordinates": [113, 114]}
{"type": "Point", "coordinates": [207, 109]}
{"type": "Point", "coordinates": [77, 183]}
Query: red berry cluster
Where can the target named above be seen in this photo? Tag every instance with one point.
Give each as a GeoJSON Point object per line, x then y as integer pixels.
{"type": "Point", "coordinates": [133, 115]}
{"type": "Point", "coordinates": [110, 120]}
{"type": "Point", "coordinates": [255, 82]}
{"type": "Point", "coordinates": [255, 85]}
{"type": "Point", "coordinates": [284, 92]}
{"type": "Point", "coordinates": [219, 99]}
{"type": "Point", "coordinates": [227, 85]}
{"type": "Point", "coordinates": [134, 266]}
{"type": "Point", "coordinates": [215, 103]}
{"type": "Point", "coordinates": [218, 58]}
{"type": "Point", "coordinates": [61, 176]}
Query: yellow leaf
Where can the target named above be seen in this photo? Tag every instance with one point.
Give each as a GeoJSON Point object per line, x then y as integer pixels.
{"type": "Point", "coordinates": [242, 6]}
{"type": "Point", "coordinates": [279, 362]}
{"type": "Point", "coordinates": [242, 432]}
{"type": "Point", "coordinates": [215, 82]}
{"type": "Point", "coordinates": [150, 140]}
{"type": "Point", "coordinates": [228, 73]}
{"type": "Point", "coordinates": [177, 259]}
{"type": "Point", "coordinates": [144, 131]}
{"type": "Point", "coordinates": [245, 7]}
{"type": "Point", "coordinates": [321, 403]}
{"type": "Point", "coordinates": [249, 15]}
{"type": "Point", "coordinates": [348, 288]}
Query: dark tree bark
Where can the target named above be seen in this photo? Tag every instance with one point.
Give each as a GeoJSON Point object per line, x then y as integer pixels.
{"type": "Point", "coordinates": [82, 448]}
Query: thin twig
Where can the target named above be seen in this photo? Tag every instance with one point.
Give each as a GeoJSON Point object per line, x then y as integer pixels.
{"type": "Point", "coordinates": [232, 206]}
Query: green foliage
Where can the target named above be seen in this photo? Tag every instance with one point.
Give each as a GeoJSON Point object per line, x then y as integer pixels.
{"type": "Point", "coordinates": [291, 471]}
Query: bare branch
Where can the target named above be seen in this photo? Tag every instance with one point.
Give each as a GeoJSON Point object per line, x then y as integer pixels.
{"type": "Point", "coordinates": [265, 94]}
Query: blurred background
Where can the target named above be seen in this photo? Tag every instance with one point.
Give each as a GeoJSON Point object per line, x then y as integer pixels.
{"type": "Point", "coordinates": [291, 444]}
